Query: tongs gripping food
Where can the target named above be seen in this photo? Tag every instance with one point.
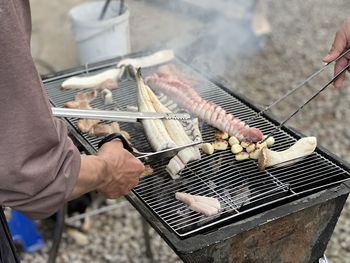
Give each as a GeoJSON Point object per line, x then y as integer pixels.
{"type": "Point", "coordinates": [296, 88]}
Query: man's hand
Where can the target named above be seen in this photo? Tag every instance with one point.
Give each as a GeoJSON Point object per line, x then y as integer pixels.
{"type": "Point", "coordinates": [122, 171]}
{"type": "Point", "coordinates": [341, 43]}
{"type": "Point", "coordinates": [113, 171]}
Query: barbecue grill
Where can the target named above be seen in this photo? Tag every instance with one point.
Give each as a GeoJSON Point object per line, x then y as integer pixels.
{"type": "Point", "coordinates": [282, 214]}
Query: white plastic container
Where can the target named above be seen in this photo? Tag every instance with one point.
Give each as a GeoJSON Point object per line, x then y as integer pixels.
{"type": "Point", "coordinates": [100, 39]}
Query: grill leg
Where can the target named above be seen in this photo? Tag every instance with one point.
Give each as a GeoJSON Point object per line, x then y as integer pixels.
{"type": "Point", "coordinates": [145, 228]}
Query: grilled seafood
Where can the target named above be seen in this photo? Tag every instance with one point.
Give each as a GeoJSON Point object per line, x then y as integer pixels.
{"type": "Point", "coordinates": [208, 206]}
{"type": "Point", "coordinates": [181, 90]}
{"type": "Point", "coordinates": [165, 134]}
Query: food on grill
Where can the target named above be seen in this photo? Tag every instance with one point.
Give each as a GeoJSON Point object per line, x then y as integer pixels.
{"type": "Point", "coordinates": [236, 148]}
{"type": "Point", "coordinates": [164, 134]}
{"type": "Point", "coordinates": [207, 148]}
{"type": "Point", "coordinates": [80, 104]}
{"type": "Point", "coordinates": [261, 145]}
{"type": "Point", "coordinates": [221, 135]}
{"type": "Point", "coordinates": [172, 70]}
{"type": "Point", "coordinates": [245, 144]}
{"type": "Point", "coordinates": [270, 141]}
{"type": "Point", "coordinates": [155, 130]}
{"type": "Point", "coordinates": [86, 96]}
{"type": "Point", "coordinates": [147, 172]}
{"type": "Point", "coordinates": [105, 79]}
{"type": "Point", "coordinates": [107, 96]}
{"type": "Point", "coordinates": [103, 129]}
{"type": "Point", "coordinates": [194, 128]}
{"type": "Point", "coordinates": [108, 84]}
{"type": "Point", "coordinates": [242, 156]}
{"type": "Point", "coordinates": [181, 90]}
{"type": "Point", "coordinates": [208, 206]}
{"type": "Point", "coordinates": [85, 125]}
{"type": "Point", "coordinates": [233, 140]}
{"type": "Point", "coordinates": [178, 134]}
{"type": "Point", "coordinates": [301, 148]}
{"type": "Point", "coordinates": [174, 166]}
{"type": "Point", "coordinates": [156, 58]}
{"type": "Point", "coordinates": [191, 125]}
{"type": "Point", "coordinates": [81, 100]}
{"type": "Point", "coordinates": [220, 144]}
{"type": "Point", "coordinates": [255, 154]}
{"type": "Point", "coordinates": [250, 148]}
{"type": "Point", "coordinates": [132, 108]}
{"type": "Point", "coordinates": [242, 150]}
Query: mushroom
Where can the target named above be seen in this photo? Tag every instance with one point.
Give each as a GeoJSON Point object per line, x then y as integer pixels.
{"type": "Point", "coordinates": [233, 140]}
{"type": "Point", "coordinates": [221, 135]}
{"type": "Point", "coordinates": [242, 156]}
{"type": "Point", "coordinates": [220, 144]}
{"type": "Point", "coordinates": [245, 144]}
{"type": "Point", "coordinates": [301, 148]}
{"type": "Point", "coordinates": [250, 148]}
{"type": "Point", "coordinates": [207, 148]}
{"type": "Point", "coordinates": [236, 148]}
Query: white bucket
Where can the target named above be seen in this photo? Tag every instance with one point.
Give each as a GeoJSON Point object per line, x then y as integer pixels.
{"type": "Point", "coordinates": [100, 39]}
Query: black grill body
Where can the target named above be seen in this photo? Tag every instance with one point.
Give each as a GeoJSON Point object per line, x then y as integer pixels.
{"type": "Point", "coordinates": [288, 214]}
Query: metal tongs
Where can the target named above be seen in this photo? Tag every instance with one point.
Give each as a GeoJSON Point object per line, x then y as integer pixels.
{"type": "Point", "coordinates": [148, 156]}
{"type": "Point", "coordinates": [122, 116]}
{"type": "Point", "coordinates": [296, 88]}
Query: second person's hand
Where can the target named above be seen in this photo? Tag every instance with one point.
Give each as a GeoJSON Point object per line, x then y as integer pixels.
{"type": "Point", "coordinates": [340, 44]}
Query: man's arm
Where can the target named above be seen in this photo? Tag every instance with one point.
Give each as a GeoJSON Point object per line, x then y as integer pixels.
{"type": "Point", "coordinates": [39, 164]}
{"type": "Point", "coordinates": [40, 167]}
{"type": "Point", "coordinates": [113, 172]}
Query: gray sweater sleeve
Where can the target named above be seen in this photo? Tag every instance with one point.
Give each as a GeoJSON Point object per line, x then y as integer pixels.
{"type": "Point", "coordinates": [39, 164]}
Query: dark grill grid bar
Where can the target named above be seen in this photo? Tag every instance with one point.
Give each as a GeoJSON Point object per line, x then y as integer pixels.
{"type": "Point", "coordinates": [239, 186]}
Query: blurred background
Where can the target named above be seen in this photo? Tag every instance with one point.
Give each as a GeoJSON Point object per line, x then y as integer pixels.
{"type": "Point", "coordinates": [260, 48]}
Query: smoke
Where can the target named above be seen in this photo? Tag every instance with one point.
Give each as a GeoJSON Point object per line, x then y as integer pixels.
{"type": "Point", "coordinates": [225, 33]}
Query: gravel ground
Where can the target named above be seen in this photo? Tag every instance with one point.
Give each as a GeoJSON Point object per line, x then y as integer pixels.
{"type": "Point", "coordinates": [302, 31]}
{"type": "Point", "coordinates": [116, 236]}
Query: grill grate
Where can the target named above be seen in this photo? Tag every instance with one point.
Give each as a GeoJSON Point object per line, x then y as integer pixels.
{"type": "Point", "coordinates": [239, 186]}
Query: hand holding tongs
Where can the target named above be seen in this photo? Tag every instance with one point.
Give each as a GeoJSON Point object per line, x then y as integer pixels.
{"type": "Point", "coordinates": [123, 116]}
{"type": "Point", "coordinates": [296, 88]}
{"type": "Point", "coordinates": [149, 156]}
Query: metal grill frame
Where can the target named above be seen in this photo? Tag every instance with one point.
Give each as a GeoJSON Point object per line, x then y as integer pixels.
{"type": "Point", "coordinates": [185, 247]}
{"type": "Point", "coordinates": [195, 242]}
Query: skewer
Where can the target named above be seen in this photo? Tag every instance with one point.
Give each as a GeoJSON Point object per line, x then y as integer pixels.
{"type": "Point", "coordinates": [296, 88]}
{"type": "Point", "coordinates": [302, 106]}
